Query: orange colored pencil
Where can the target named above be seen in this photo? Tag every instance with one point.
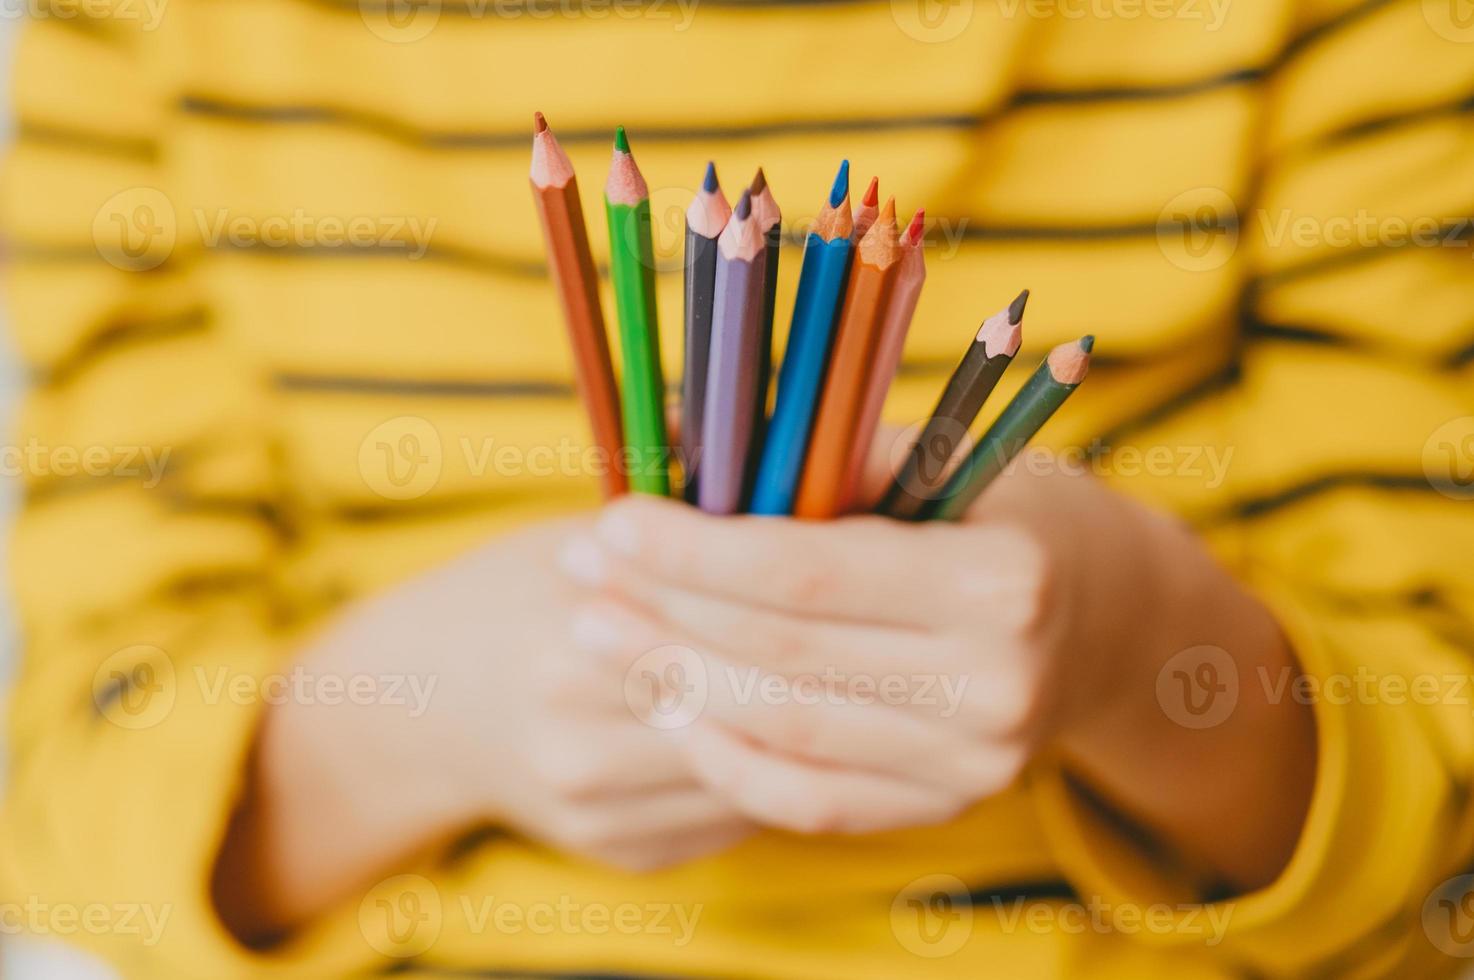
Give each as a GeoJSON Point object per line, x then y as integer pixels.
{"type": "Point", "coordinates": [869, 207]}
{"type": "Point", "coordinates": [910, 277]}
{"type": "Point", "coordinates": [866, 299]}
{"type": "Point", "coordinates": [555, 190]}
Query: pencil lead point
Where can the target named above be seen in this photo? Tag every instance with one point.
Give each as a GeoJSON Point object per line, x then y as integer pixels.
{"type": "Point", "coordinates": [744, 206]}
{"type": "Point", "coordinates": [872, 193]}
{"type": "Point", "coordinates": [1016, 308]}
{"type": "Point", "coordinates": [841, 188]}
{"type": "Point", "coordinates": [916, 227]}
{"type": "Point", "coordinates": [539, 123]}
{"type": "Point", "coordinates": [621, 141]}
{"type": "Point", "coordinates": [888, 213]}
{"type": "Point", "coordinates": [759, 182]}
{"type": "Point", "coordinates": [1087, 342]}
{"type": "Point", "coordinates": [709, 182]}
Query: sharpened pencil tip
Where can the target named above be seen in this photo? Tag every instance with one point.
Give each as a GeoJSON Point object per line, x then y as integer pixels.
{"type": "Point", "coordinates": [539, 123]}
{"type": "Point", "coordinates": [744, 206]}
{"type": "Point", "coordinates": [709, 182]}
{"type": "Point", "coordinates": [841, 188]}
{"type": "Point", "coordinates": [916, 227]}
{"type": "Point", "coordinates": [1087, 342]}
{"type": "Point", "coordinates": [887, 214]}
{"type": "Point", "coordinates": [1016, 308]}
{"type": "Point", "coordinates": [872, 193]}
{"type": "Point", "coordinates": [759, 182]}
{"type": "Point", "coordinates": [621, 141]}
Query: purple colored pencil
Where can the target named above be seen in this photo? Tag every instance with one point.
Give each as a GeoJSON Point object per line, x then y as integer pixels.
{"type": "Point", "coordinates": [732, 373]}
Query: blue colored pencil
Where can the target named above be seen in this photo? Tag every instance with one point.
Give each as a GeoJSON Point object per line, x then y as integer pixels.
{"type": "Point", "coordinates": [821, 284]}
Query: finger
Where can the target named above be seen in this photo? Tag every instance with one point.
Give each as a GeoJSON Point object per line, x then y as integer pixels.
{"type": "Point", "coordinates": [864, 569]}
{"type": "Point", "coordinates": [810, 799]}
{"type": "Point", "coordinates": [612, 761]}
{"type": "Point", "coordinates": [645, 818]}
{"type": "Point", "coordinates": [675, 849]}
{"type": "Point", "coordinates": [851, 720]}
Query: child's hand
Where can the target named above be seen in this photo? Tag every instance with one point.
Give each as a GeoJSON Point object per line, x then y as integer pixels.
{"type": "Point", "coordinates": [939, 659]}
{"type": "Point", "coordinates": [513, 727]}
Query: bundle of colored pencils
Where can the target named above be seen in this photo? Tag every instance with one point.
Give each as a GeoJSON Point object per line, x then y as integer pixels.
{"type": "Point", "coordinates": [858, 288]}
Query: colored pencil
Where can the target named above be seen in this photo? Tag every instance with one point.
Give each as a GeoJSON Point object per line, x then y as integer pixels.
{"type": "Point", "coordinates": [705, 219]}
{"type": "Point", "coordinates": [877, 258]}
{"type": "Point", "coordinates": [632, 271]}
{"type": "Point", "coordinates": [924, 473]}
{"type": "Point", "coordinates": [555, 192]}
{"type": "Point", "coordinates": [869, 208]}
{"type": "Point", "coordinates": [910, 277]}
{"type": "Point", "coordinates": [1042, 395]}
{"type": "Point", "coordinates": [769, 220]}
{"type": "Point", "coordinates": [731, 377]}
{"type": "Point", "coordinates": [821, 282]}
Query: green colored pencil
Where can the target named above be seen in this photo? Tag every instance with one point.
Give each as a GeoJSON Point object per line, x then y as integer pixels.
{"type": "Point", "coordinates": [1061, 372]}
{"type": "Point", "coordinates": [632, 270]}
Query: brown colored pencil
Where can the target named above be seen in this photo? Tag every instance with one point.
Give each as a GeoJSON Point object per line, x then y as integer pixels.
{"type": "Point", "coordinates": [910, 277]}
{"type": "Point", "coordinates": [867, 297]}
{"type": "Point", "coordinates": [555, 191]}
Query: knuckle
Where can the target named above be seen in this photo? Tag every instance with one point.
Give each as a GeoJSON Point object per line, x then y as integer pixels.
{"type": "Point", "coordinates": [821, 815]}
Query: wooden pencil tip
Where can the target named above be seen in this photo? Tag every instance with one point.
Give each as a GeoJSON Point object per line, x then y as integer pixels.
{"type": "Point", "coordinates": [872, 193]}
{"type": "Point", "coordinates": [621, 141]}
{"type": "Point", "coordinates": [1087, 343]}
{"type": "Point", "coordinates": [916, 227]}
{"type": "Point", "coordinates": [841, 188]}
{"type": "Point", "coordinates": [1016, 308]}
{"type": "Point", "coordinates": [744, 206]}
{"type": "Point", "coordinates": [759, 182]}
{"type": "Point", "coordinates": [539, 123]}
{"type": "Point", "coordinates": [888, 213]}
{"type": "Point", "coordinates": [709, 182]}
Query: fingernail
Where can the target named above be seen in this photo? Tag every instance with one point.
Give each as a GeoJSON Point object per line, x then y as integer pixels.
{"type": "Point", "coordinates": [583, 561]}
{"type": "Point", "coordinates": [617, 530]}
{"type": "Point", "coordinates": [595, 629]}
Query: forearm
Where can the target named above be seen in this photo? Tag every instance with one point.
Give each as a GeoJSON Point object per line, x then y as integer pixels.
{"type": "Point", "coordinates": [1221, 771]}
{"type": "Point", "coordinates": [331, 801]}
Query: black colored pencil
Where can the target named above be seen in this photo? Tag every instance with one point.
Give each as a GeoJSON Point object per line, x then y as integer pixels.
{"type": "Point", "coordinates": [705, 219]}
